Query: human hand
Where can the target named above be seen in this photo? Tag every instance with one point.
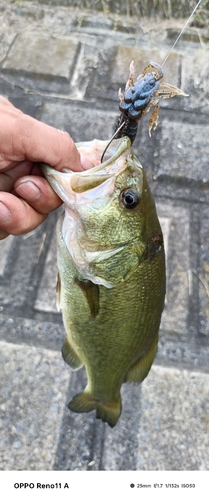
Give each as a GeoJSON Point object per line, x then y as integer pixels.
{"type": "Point", "coordinates": [26, 198]}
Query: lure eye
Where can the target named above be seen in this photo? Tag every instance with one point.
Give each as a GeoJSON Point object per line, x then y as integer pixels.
{"type": "Point", "coordinates": [130, 198]}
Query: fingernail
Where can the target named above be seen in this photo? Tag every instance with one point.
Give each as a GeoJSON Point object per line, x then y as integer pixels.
{"type": "Point", "coordinates": [4, 212]}
{"type": "Point", "coordinates": [28, 190]}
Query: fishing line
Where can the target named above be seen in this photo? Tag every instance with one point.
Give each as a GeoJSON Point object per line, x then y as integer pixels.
{"type": "Point", "coordinates": [113, 137]}
{"type": "Point", "coordinates": [181, 32]}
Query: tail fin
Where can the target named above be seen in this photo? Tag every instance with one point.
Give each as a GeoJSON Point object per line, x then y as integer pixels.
{"type": "Point", "coordinates": [84, 402]}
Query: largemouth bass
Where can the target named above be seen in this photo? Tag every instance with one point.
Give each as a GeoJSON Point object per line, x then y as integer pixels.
{"type": "Point", "coordinates": [111, 264]}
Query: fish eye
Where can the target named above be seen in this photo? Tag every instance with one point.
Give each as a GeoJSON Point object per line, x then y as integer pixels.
{"type": "Point", "coordinates": [130, 198]}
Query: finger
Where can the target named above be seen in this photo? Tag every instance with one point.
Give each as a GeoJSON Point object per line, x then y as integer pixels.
{"type": "Point", "coordinates": [8, 178]}
{"type": "Point", "coordinates": [3, 234]}
{"type": "Point", "coordinates": [17, 216]}
{"type": "Point", "coordinates": [23, 137]}
{"type": "Point", "coordinates": [4, 102]}
{"type": "Point", "coordinates": [86, 162]}
{"type": "Point", "coordinates": [43, 143]}
{"type": "Point", "coordinates": [38, 193]}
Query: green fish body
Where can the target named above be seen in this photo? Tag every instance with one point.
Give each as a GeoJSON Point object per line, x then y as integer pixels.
{"type": "Point", "coordinates": [111, 285]}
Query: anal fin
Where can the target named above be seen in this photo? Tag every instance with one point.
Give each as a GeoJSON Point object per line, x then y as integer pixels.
{"type": "Point", "coordinates": [139, 371]}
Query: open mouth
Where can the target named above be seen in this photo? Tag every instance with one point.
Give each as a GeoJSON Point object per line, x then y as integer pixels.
{"type": "Point", "coordinates": [93, 176]}
{"type": "Point", "coordinates": [68, 183]}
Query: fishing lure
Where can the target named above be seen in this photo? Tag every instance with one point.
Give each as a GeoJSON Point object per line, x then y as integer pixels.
{"type": "Point", "coordinates": [147, 92]}
{"type": "Point", "coordinates": [139, 97]}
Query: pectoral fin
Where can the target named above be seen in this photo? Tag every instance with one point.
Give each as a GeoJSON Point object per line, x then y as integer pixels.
{"type": "Point", "coordinates": [58, 290]}
{"type": "Point", "coordinates": [91, 292]}
{"type": "Point", "coordinates": [140, 369]}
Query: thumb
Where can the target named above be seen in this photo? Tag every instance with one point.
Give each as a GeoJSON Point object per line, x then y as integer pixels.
{"type": "Point", "coordinates": [43, 143]}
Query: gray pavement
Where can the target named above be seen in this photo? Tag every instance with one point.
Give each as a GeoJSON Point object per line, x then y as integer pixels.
{"type": "Point", "coordinates": [64, 65]}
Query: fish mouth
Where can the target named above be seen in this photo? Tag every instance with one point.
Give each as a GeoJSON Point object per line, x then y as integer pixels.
{"type": "Point", "coordinates": [67, 184]}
